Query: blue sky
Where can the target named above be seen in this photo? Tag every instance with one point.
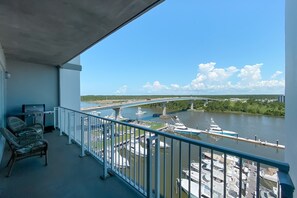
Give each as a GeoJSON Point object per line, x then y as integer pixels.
{"type": "Point", "coordinates": [192, 47]}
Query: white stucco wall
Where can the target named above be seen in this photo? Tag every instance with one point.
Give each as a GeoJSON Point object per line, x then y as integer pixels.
{"type": "Point", "coordinates": [70, 89]}
{"type": "Point", "coordinates": [291, 88]}
{"type": "Point", "coordinates": [31, 83]}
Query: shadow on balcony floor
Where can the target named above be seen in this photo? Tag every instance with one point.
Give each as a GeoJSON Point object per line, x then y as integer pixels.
{"type": "Point", "coordinates": [67, 175]}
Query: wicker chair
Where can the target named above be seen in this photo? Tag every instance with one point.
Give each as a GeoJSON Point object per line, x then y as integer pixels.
{"type": "Point", "coordinates": [19, 127]}
{"type": "Point", "coordinates": [24, 146]}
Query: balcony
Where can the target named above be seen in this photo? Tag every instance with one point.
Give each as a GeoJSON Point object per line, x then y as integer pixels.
{"type": "Point", "coordinates": [152, 163]}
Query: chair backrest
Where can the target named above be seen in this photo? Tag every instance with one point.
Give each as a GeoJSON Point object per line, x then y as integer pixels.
{"type": "Point", "coordinates": [15, 124]}
{"type": "Point", "coordinates": [10, 138]}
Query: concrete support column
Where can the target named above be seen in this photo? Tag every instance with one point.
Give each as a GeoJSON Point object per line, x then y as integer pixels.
{"type": "Point", "coordinates": [164, 109]}
{"type": "Point", "coordinates": [205, 103]}
{"type": "Point", "coordinates": [192, 105]}
{"type": "Point", "coordinates": [117, 113]}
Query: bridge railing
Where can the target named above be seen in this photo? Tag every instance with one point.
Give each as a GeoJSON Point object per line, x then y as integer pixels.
{"type": "Point", "coordinates": [163, 164]}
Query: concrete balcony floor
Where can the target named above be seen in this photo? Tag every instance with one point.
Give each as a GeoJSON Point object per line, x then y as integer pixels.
{"type": "Point", "coordinates": [67, 175]}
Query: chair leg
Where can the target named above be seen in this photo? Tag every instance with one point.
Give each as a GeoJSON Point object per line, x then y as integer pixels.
{"type": "Point", "coordinates": [46, 158]}
{"type": "Point", "coordinates": [10, 169]}
{"type": "Point", "coordinates": [9, 160]}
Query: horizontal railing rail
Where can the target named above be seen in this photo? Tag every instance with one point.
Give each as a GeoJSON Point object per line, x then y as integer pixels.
{"type": "Point", "coordinates": [185, 165]}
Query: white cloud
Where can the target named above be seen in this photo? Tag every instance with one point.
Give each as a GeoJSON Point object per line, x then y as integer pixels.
{"type": "Point", "coordinates": [175, 86]}
{"type": "Point", "coordinates": [250, 72]}
{"type": "Point", "coordinates": [122, 90]}
{"type": "Point", "coordinates": [276, 74]}
{"type": "Point", "coordinates": [155, 86]}
{"type": "Point", "coordinates": [211, 79]}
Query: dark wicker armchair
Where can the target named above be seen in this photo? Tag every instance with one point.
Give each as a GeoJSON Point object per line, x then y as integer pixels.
{"type": "Point", "coordinates": [19, 127]}
{"type": "Point", "coordinates": [24, 146]}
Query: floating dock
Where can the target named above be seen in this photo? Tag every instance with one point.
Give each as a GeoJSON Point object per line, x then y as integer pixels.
{"type": "Point", "coordinates": [237, 138]}
{"type": "Point", "coordinates": [257, 141]}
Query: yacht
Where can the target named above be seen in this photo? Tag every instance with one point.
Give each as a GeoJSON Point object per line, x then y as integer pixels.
{"type": "Point", "coordinates": [119, 161]}
{"type": "Point", "coordinates": [205, 190]}
{"type": "Point", "coordinates": [140, 112]}
{"type": "Point", "coordinates": [137, 149]}
{"type": "Point", "coordinates": [216, 129]}
{"type": "Point", "coordinates": [179, 127]}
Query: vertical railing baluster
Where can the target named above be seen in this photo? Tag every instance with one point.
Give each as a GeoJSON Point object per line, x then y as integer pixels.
{"type": "Point", "coordinates": [60, 122]}
{"type": "Point", "coordinates": [189, 166]}
{"type": "Point", "coordinates": [134, 156]}
{"type": "Point", "coordinates": [172, 167]}
{"type": "Point", "coordinates": [82, 140]}
{"type": "Point", "coordinates": [240, 177]}
{"type": "Point", "coordinates": [157, 166]}
{"type": "Point", "coordinates": [64, 124]}
{"type": "Point", "coordinates": [69, 130]}
{"type": "Point", "coordinates": [149, 168]}
{"type": "Point", "coordinates": [164, 167]}
{"type": "Point", "coordinates": [75, 126]}
{"type": "Point", "coordinates": [211, 174]}
{"type": "Point", "coordinates": [179, 166]}
{"type": "Point", "coordinates": [124, 150]}
{"type": "Point", "coordinates": [89, 134]}
{"type": "Point", "coordinates": [55, 117]}
{"type": "Point", "coordinates": [112, 146]}
{"type": "Point", "coordinates": [130, 139]}
{"type": "Point", "coordinates": [225, 174]}
{"type": "Point", "coordinates": [105, 174]}
{"type": "Point", "coordinates": [258, 180]}
{"type": "Point", "coordinates": [121, 148]}
{"type": "Point", "coordinates": [200, 170]}
{"type": "Point", "coordinates": [139, 183]}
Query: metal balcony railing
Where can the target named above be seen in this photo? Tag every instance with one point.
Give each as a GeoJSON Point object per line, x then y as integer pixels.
{"type": "Point", "coordinates": [159, 164]}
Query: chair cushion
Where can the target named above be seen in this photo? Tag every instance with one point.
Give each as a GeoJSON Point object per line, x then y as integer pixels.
{"type": "Point", "coordinates": [33, 147]}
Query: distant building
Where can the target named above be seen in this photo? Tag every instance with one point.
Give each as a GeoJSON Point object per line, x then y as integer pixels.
{"type": "Point", "coordinates": [281, 98]}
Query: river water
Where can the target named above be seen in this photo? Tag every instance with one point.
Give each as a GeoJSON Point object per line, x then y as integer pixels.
{"type": "Point", "coordinates": [266, 128]}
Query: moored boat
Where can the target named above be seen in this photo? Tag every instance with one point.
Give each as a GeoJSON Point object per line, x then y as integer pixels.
{"type": "Point", "coordinates": [216, 129]}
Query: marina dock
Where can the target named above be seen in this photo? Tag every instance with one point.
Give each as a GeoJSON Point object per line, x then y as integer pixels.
{"type": "Point", "coordinates": [264, 143]}
{"type": "Point", "coordinates": [237, 138]}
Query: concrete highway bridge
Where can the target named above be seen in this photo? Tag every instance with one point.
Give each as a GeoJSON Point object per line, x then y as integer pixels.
{"type": "Point", "coordinates": [132, 103]}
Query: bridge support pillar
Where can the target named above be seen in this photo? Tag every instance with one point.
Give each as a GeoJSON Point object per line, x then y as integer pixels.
{"type": "Point", "coordinates": [164, 109]}
{"type": "Point", "coordinates": [117, 113]}
{"type": "Point", "coordinates": [192, 105]}
{"type": "Point", "coordinates": [205, 103]}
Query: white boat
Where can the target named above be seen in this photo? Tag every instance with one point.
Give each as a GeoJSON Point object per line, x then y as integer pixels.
{"type": "Point", "coordinates": [140, 112]}
{"type": "Point", "coordinates": [205, 190]}
{"type": "Point", "coordinates": [179, 127]}
{"type": "Point", "coordinates": [119, 161]}
{"type": "Point", "coordinates": [137, 149]}
{"type": "Point", "coordinates": [216, 129]}
{"type": "Point", "coordinates": [269, 177]}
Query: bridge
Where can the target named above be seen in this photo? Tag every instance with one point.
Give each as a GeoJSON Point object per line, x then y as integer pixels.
{"type": "Point", "coordinates": [132, 103]}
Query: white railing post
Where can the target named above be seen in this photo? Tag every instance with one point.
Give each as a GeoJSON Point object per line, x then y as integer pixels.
{"type": "Point", "coordinates": [89, 134]}
{"type": "Point", "coordinates": [82, 140]}
{"type": "Point", "coordinates": [112, 145]}
{"type": "Point", "coordinates": [69, 128]}
{"type": "Point", "coordinates": [149, 170]}
{"type": "Point", "coordinates": [60, 121]}
{"type": "Point", "coordinates": [75, 125]}
{"type": "Point", "coordinates": [105, 173]}
{"type": "Point", "coordinates": [157, 166]}
{"type": "Point", "coordinates": [55, 117]}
